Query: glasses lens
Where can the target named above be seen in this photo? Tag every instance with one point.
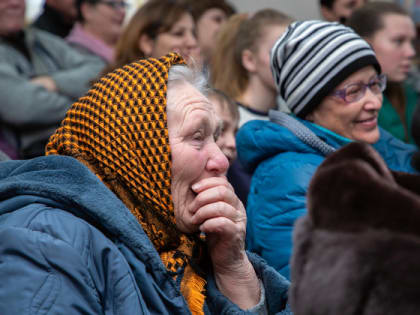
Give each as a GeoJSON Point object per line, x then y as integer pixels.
{"type": "Point", "coordinates": [377, 85]}
{"type": "Point", "coordinates": [354, 92]}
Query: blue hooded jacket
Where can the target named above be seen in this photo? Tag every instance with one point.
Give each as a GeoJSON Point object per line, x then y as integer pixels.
{"type": "Point", "coordinates": [68, 245]}
{"type": "Point", "coordinates": [283, 165]}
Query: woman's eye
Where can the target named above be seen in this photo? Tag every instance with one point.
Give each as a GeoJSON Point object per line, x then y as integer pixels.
{"type": "Point", "coordinates": [198, 136]}
{"type": "Point", "coordinates": [178, 33]}
{"type": "Point", "coordinates": [399, 41]}
{"type": "Point", "coordinates": [353, 90]}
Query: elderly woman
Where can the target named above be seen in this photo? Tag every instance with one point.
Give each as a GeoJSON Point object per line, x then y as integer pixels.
{"type": "Point", "coordinates": [128, 213]}
{"type": "Point", "coordinates": [332, 83]}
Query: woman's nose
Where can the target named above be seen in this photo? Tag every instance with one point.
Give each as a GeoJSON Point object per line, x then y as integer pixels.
{"type": "Point", "coordinates": [217, 163]}
{"type": "Point", "coordinates": [191, 40]}
{"type": "Point", "coordinates": [411, 52]}
{"type": "Point", "coordinates": [373, 101]}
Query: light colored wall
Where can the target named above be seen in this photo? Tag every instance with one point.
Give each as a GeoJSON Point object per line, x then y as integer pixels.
{"type": "Point", "coordinates": [298, 9]}
{"type": "Point", "coordinates": [33, 8]}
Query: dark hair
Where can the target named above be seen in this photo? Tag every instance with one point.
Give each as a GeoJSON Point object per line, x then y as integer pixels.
{"type": "Point", "coordinates": [198, 7]}
{"type": "Point", "coordinates": [239, 33]}
{"type": "Point", "coordinates": [152, 18]}
{"type": "Point", "coordinates": [368, 19]}
{"type": "Point", "coordinates": [327, 3]}
{"type": "Point", "coordinates": [78, 5]}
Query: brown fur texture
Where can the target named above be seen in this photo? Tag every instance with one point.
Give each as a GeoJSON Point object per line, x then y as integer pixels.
{"type": "Point", "coordinates": [357, 251]}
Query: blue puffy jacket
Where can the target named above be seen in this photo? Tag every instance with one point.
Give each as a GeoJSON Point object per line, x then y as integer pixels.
{"type": "Point", "coordinates": [68, 245]}
{"type": "Point", "coordinates": [283, 165]}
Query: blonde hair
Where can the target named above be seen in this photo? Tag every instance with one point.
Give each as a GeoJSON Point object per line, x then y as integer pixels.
{"type": "Point", "coordinates": [239, 33]}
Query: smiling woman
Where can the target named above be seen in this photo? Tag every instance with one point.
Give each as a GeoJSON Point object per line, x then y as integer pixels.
{"type": "Point", "coordinates": [331, 81]}
{"type": "Point", "coordinates": [390, 31]}
{"type": "Point", "coordinates": [157, 28]}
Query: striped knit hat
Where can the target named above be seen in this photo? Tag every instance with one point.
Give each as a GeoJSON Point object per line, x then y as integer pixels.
{"type": "Point", "coordinates": [312, 58]}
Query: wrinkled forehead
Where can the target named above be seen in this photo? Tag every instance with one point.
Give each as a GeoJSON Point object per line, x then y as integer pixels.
{"type": "Point", "coordinates": [183, 96]}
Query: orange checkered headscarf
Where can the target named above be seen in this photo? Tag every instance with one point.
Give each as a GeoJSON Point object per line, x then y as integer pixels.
{"type": "Point", "coordinates": [119, 130]}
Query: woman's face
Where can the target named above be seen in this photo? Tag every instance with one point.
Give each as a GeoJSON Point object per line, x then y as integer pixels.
{"type": "Point", "coordinates": [226, 140]}
{"type": "Point", "coordinates": [105, 19]}
{"type": "Point", "coordinates": [193, 127]}
{"type": "Point", "coordinates": [208, 25]}
{"type": "Point", "coordinates": [393, 46]}
{"type": "Point", "coordinates": [262, 56]}
{"type": "Point", "coordinates": [357, 120]}
{"type": "Point", "coordinates": [180, 38]}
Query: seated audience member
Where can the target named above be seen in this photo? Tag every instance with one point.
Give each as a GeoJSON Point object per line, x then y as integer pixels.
{"type": "Point", "coordinates": [129, 212]}
{"type": "Point", "coordinates": [227, 111]}
{"type": "Point", "coordinates": [357, 250]}
{"type": "Point", "coordinates": [339, 10]}
{"type": "Point", "coordinates": [240, 67]}
{"type": "Point", "coordinates": [58, 17]}
{"type": "Point", "coordinates": [389, 29]}
{"type": "Point", "coordinates": [98, 27]}
{"type": "Point", "coordinates": [332, 82]}
{"type": "Point", "coordinates": [157, 28]}
{"type": "Point", "coordinates": [209, 16]}
{"type": "Point", "coordinates": [40, 77]}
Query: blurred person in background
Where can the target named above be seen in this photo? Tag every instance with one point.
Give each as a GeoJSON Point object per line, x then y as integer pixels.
{"type": "Point", "coordinates": [227, 110]}
{"type": "Point", "coordinates": [209, 16]}
{"type": "Point", "coordinates": [98, 27]}
{"type": "Point", "coordinates": [339, 10]}
{"type": "Point", "coordinates": [240, 67]}
{"type": "Point", "coordinates": [157, 28]}
{"type": "Point", "coordinates": [58, 17]}
{"type": "Point", "coordinates": [389, 29]}
{"type": "Point", "coordinates": [40, 77]}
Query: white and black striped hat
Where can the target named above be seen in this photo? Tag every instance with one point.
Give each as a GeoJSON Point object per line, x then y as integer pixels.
{"type": "Point", "coordinates": [312, 57]}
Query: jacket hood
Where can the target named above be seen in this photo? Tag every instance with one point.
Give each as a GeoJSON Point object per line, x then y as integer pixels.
{"type": "Point", "coordinates": [65, 183]}
{"type": "Point", "coordinates": [259, 140]}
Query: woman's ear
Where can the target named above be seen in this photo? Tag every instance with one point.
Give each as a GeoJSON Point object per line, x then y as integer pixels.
{"type": "Point", "coordinates": [146, 45]}
{"type": "Point", "coordinates": [248, 61]}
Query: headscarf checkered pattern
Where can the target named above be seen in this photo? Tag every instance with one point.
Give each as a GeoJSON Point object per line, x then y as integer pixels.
{"type": "Point", "coordinates": [119, 130]}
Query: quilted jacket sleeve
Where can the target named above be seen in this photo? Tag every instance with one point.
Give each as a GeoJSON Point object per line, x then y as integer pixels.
{"type": "Point", "coordinates": [277, 198]}
{"type": "Point", "coordinates": [275, 287]}
{"type": "Point", "coordinates": [53, 263]}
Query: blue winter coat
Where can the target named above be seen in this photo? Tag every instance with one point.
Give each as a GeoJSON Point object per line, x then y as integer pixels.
{"type": "Point", "coordinates": [68, 245]}
{"type": "Point", "coordinates": [283, 166]}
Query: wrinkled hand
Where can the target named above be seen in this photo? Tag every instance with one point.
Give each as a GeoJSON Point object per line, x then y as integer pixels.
{"type": "Point", "coordinates": [221, 216]}
{"type": "Point", "coordinates": [45, 81]}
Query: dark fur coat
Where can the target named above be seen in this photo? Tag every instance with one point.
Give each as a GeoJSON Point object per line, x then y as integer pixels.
{"type": "Point", "coordinates": [357, 251]}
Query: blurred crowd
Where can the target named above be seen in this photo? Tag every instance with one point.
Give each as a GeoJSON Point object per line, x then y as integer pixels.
{"type": "Point", "coordinates": [231, 144]}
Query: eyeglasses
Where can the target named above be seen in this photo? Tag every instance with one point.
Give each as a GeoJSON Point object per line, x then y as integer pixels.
{"type": "Point", "coordinates": [354, 92]}
{"type": "Point", "coordinates": [115, 4]}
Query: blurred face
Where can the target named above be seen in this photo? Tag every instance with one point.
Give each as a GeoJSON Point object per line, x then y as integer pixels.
{"type": "Point", "coordinates": [393, 46]}
{"type": "Point", "coordinates": [226, 140]}
{"type": "Point", "coordinates": [193, 127]}
{"type": "Point", "coordinates": [207, 27]}
{"type": "Point", "coordinates": [12, 16]}
{"type": "Point", "coordinates": [105, 19]}
{"type": "Point", "coordinates": [180, 38]}
{"type": "Point", "coordinates": [357, 120]}
{"type": "Point", "coordinates": [341, 10]}
{"type": "Point", "coordinates": [262, 56]}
